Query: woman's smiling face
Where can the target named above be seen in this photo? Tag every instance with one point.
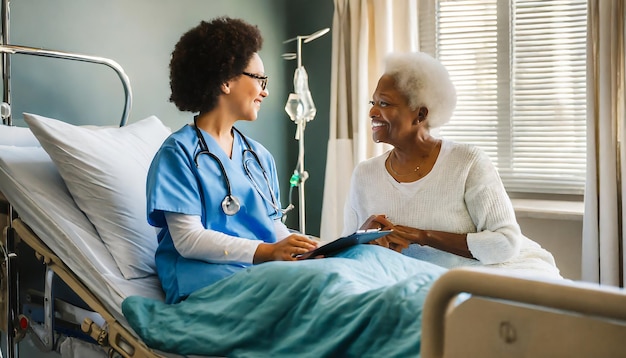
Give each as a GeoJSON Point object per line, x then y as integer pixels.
{"type": "Point", "coordinates": [247, 92]}
{"type": "Point", "coordinates": [392, 119]}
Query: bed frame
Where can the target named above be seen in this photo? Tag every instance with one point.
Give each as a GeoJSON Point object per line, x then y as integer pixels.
{"type": "Point", "coordinates": [103, 328]}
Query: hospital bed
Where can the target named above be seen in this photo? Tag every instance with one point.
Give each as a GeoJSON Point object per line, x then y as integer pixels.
{"type": "Point", "coordinates": [467, 312]}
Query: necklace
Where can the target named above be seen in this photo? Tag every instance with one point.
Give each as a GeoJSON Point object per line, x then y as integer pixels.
{"type": "Point", "coordinates": [398, 174]}
{"type": "Point", "coordinates": [416, 168]}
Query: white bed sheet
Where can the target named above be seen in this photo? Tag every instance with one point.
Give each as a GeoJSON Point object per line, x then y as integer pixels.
{"type": "Point", "coordinates": [31, 183]}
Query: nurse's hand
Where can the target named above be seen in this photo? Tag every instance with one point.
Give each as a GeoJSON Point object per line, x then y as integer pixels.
{"type": "Point", "coordinates": [284, 250]}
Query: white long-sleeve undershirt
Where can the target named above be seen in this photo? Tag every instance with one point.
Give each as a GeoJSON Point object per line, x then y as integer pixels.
{"type": "Point", "coordinates": [193, 241]}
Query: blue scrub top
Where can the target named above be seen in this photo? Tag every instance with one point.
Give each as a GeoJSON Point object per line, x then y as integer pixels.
{"type": "Point", "coordinates": [175, 184]}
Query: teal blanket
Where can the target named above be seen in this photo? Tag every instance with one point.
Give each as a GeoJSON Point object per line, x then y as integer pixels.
{"type": "Point", "coordinates": [365, 302]}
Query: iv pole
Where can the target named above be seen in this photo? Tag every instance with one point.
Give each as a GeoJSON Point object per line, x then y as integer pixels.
{"type": "Point", "coordinates": [301, 110]}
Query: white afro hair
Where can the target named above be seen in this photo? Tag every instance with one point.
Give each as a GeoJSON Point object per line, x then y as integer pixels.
{"type": "Point", "coordinates": [425, 83]}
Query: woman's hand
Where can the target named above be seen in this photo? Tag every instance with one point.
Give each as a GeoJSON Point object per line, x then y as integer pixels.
{"type": "Point", "coordinates": [403, 236]}
{"type": "Point", "coordinates": [284, 250]}
{"type": "Point", "coordinates": [445, 241]}
{"type": "Point", "coordinates": [394, 241]}
{"type": "Point", "coordinates": [376, 222]}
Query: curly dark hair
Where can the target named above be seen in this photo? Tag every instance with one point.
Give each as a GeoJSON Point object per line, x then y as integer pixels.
{"type": "Point", "coordinates": [207, 56]}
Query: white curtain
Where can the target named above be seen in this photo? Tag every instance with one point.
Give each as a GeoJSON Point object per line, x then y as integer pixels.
{"type": "Point", "coordinates": [603, 225]}
{"type": "Point", "coordinates": [363, 32]}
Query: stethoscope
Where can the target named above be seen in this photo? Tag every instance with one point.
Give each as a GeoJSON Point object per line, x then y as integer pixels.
{"type": "Point", "coordinates": [230, 204]}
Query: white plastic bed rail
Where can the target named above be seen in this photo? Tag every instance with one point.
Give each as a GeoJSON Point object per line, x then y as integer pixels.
{"type": "Point", "coordinates": [580, 314]}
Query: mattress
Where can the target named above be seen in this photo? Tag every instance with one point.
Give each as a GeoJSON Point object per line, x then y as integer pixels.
{"type": "Point", "coordinates": [31, 183]}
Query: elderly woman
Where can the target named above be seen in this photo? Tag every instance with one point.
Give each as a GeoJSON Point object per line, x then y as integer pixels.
{"type": "Point", "coordinates": [444, 200]}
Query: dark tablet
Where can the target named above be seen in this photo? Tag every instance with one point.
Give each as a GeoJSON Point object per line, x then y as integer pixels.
{"type": "Point", "coordinates": [333, 247]}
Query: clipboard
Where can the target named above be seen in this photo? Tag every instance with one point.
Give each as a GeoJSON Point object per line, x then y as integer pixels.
{"type": "Point", "coordinates": [333, 247]}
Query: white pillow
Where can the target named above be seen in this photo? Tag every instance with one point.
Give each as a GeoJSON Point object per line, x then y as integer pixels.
{"type": "Point", "coordinates": [105, 170]}
{"type": "Point", "coordinates": [17, 136]}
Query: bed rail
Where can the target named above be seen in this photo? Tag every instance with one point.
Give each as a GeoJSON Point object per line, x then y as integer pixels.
{"type": "Point", "coordinates": [13, 49]}
{"type": "Point", "coordinates": [594, 308]}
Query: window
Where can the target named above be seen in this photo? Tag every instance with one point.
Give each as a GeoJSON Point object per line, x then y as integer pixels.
{"type": "Point", "coordinates": [519, 67]}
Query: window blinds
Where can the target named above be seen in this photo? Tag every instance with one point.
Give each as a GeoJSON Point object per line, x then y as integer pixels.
{"type": "Point", "coordinates": [519, 67]}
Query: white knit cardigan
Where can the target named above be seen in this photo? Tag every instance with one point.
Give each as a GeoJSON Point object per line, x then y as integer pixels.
{"type": "Point", "coordinates": [463, 193]}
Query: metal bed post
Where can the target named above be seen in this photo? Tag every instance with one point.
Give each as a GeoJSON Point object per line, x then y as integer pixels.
{"type": "Point", "coordinates": [9, 258]}
{"type": "Point", "coordinates": [6, 63]}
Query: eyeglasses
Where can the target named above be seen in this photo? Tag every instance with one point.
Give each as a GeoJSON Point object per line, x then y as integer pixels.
{"type": "Point", "coordinates": [262, 79]}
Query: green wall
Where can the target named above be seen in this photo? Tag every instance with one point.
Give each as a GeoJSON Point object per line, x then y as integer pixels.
{"type": "Point", "coordinates": [140, 35]}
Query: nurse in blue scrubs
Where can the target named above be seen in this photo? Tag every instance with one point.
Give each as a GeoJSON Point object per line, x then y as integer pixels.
{"type": "Point", "coordinates": [213, 191]}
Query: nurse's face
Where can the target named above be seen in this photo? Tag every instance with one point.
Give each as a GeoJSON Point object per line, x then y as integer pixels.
{"type": "Point", "coordinates": [248, 90]}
